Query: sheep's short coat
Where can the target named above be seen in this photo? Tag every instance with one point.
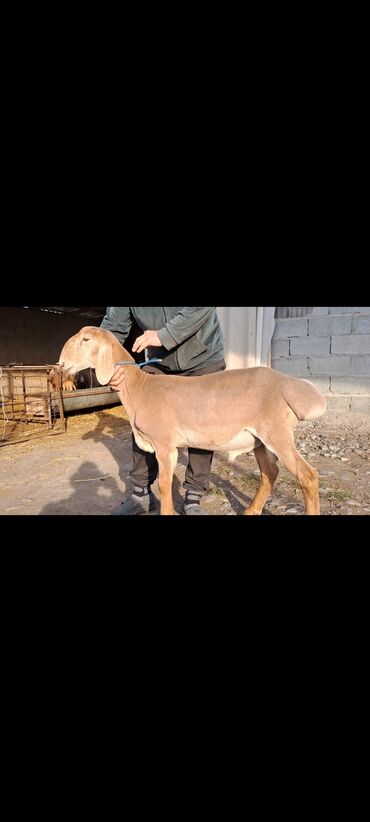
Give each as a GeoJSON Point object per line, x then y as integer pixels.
{"type": "Point", "coordinates": [237, 411]}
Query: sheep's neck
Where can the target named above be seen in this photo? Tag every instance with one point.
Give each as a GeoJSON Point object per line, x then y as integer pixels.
{"type": "Point", "coordinates": [134, 381]}
{"type": "Point", "coordinates": [131, 389]}
{"type": "Point", "coordinates": [119, 353]}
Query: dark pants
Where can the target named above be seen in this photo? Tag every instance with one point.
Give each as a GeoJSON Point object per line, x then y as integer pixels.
{"type": "Point", "coordinates": [145, 466]}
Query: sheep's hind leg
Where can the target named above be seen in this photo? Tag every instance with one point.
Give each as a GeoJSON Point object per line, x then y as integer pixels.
{"type": "Point", "coordinates": [284, 448]}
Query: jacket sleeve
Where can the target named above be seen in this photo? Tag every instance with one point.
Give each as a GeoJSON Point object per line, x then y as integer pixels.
{"type": "Point", "coordinates": [184, 325]}
{"type": "Point", "coordinates": [118, 321]}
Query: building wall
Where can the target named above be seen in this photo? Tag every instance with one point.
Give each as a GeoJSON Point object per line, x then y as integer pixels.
{"type": "Point", "coordinates": [33, 337]}
{"type": "Point", "coordinates": [247, 332]}
{"type": "Point", "coordinates": [331, 347]}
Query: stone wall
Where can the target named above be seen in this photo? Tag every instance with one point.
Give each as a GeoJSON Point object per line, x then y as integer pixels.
{"type": "Point", "coordinates": [330, 347]}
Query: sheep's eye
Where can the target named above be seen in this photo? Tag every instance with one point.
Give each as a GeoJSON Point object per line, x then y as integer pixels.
{"type": "Point", "coordinates": [85, 339]}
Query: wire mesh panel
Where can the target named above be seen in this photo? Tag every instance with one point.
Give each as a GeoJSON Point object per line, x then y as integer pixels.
{"type": "Point", "coordinates": [30, 402]}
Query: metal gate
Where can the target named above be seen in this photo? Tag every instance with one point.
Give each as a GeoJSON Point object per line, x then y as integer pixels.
{"type": "Point", "coordinates": [30, 400]}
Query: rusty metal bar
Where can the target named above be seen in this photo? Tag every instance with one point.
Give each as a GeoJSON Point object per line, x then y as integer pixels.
{"type": "Point", "coordinates": [42, 406]}
{"type": "Point", "coordinates": [61, 406]}
{"type": "Point", "coordinates": [11, 388]}
{"type": "Point", "coordinates": [29, 367]}
{"type": "Point", "coordinates": [25, 403]}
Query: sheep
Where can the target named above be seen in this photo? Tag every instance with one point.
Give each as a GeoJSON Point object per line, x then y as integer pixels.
{"type": "Point", "coordinates": [236, 411]}
{"type": "Point", "coordinates": [69, 385]}
{"type": "Point", "coordinates": [82, 380]}
{"type": "Point", "coordinates": [86, 379]}
{"type": "Point", "coordinates": [58, 378]}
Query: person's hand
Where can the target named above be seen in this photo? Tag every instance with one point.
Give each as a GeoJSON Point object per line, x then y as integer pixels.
{"type": "Point", "coordinates": [117, 378]}
{"type": "Point", "coordinates": [147, 340]}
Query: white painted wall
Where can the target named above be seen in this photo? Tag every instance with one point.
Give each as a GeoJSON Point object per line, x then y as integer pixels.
{"type": "Point", "coordinates": [248, 333]}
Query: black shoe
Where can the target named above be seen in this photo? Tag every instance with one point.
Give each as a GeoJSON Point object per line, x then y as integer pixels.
{"type": "Point", "coordinates": [136, 504]}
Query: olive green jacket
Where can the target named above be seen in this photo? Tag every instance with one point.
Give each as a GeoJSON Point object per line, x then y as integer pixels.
{"type": "Point", "coordinates": [190, 337]}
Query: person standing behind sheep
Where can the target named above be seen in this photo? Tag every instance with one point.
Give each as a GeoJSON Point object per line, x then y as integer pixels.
{"type": "Point", "coordinates": [189, 342]}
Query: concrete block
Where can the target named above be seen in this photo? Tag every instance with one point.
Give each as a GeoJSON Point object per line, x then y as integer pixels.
{"type": "Point", "coordinates": [361, 324]}
{"type": "Point", "coordinates": [291, 328]}
{"type": "Point", "coordinates": [351, 344]}
{"type": "Point", "coordinates": [346, 310]}
{"type": "Point", "coordinates": [295, 366]}
{"type": "Point", "coordinates": [360, 404]}
{"type": "Point", "coordinates": [360, 366]}
{"type": "Point", "coordinates": [322, 326]}
{"type": "Point", "coordinates": [350, 385]}
{"type": "Point", "coordinates": [319, 311]}
{"type": "Point", "coordinates": [330, 366]}
{"type": "Point", "coordinates": [280, 348]}
{"type": "Point", "coordinates": [322, 383]}
{"type": "Point", "coordinates": [310, 346]}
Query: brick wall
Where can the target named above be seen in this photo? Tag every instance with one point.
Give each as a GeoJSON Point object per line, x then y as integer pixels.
{"type": "Point", "coordinates": [330, 347]}
{"type": "Point", "coordinates": [34, 337]}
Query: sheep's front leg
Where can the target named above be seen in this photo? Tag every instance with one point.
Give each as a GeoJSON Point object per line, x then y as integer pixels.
{"type": "Point", "coordinates": [167, 461]}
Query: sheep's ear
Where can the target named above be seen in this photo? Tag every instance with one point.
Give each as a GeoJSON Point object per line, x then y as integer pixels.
{"type": "Point", "coordinates": [105, 365]}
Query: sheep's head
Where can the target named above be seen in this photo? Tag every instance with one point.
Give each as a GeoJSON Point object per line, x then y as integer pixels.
{"type": "Point", "coordinates": [90, 348]}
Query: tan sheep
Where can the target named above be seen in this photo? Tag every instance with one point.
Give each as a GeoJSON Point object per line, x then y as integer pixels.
{"type": "Point", "coordinates": [237, 411]}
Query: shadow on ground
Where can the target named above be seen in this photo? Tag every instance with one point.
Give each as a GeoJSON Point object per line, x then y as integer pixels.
{"type": "Point", "coordinates": [101, 490]}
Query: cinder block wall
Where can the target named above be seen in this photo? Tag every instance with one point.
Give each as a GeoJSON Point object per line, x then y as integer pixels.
{"type": "Point", "coordinates": [330, 347]}
{"type": "Point", "coordinates": [33, 337]}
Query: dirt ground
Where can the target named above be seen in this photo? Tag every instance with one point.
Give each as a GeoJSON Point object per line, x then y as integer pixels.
{"type": "Point", "coordinates": [85, 470]}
